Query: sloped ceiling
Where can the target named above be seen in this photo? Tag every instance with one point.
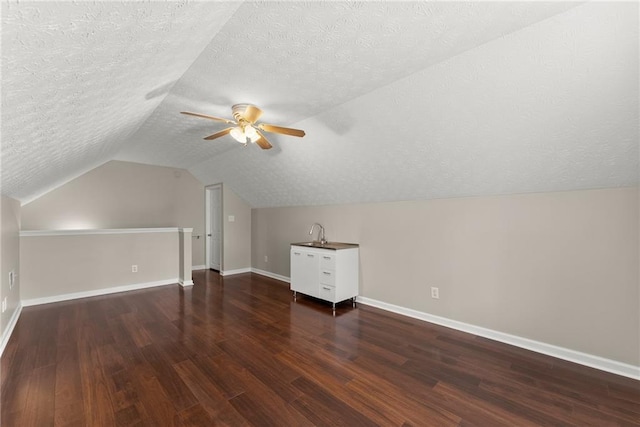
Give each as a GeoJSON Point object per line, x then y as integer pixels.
{"type": "Point", "coordinates": [400, 100]}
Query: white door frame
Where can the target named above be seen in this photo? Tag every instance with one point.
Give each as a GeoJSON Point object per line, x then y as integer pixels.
{"type": "Point", "coordinates": [207, 215]}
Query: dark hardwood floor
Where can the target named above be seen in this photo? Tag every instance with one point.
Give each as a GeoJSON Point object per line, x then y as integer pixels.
{"type": "Point", "coordinates": [238, 351]}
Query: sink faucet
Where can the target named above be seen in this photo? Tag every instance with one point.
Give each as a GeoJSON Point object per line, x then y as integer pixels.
{"type": "Point", "coordinates": [321, 238]}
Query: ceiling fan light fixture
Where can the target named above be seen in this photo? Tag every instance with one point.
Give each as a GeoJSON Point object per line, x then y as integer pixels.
{"type": "Point", "coordinates": [244, 128]}
{"type": "Point", "coordinates": [244, 134]}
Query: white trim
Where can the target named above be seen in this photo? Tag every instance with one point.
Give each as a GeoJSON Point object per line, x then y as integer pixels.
{"type": "Point", "coordinates": [271, 275]}
{"type": "Point", "coordinates": [237, 271]}
{"type": "Point", "coordinates": [198, 267]}
{"type": "Point", "coordinates": [34, 233]}
{"type": "Point", "coordinates": [185, 283]}
{"type": "Point", "coordinates": [186, 230]}
{"type": "Point", "coordinates": [9, 329]}
{"type": "Point", "coordinates": [585, 359]}
{"type": "Point", "coordinates": [97, 292]}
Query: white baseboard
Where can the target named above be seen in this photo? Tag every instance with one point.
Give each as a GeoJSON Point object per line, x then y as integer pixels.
{"type": "Point", "coordinates": [271, 275]}
{"type": "Point", "coordinates": [97, 292]}
{"type": "Point", "coordinates": [198, 267]}
{"type": "Point", "coordinates": [185, 283]}
{"type": "Point", "coordinates": [9, 329]}
{"type": "Point", "coordinates": [237, 271]}
{"type": "Point", "coordinates": [585, 359]}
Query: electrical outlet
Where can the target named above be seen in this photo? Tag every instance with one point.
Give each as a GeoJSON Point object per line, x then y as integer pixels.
{"type": "Point", "coordinates": [266, 258]}
{"type": "Point", "coordinates": [435, 293]}
{"type": "Point", "coordinates": [4, 304]}
{"type": "Point", "coordinates": [232, 218]}
{"type": "Point", "coordinates": [134, 268]}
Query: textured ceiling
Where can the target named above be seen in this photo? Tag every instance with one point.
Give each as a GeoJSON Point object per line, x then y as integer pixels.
{"type": "Point", "coordinates": [400, 100]}
{"type": "Point", "coordinates": [79, 78]}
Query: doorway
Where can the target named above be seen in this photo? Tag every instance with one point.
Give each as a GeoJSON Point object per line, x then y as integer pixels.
{"type": "Point", "coordinates": [213, 214]}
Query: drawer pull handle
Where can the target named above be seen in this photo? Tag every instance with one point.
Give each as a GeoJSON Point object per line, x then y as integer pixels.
{"type": "Point", "coordinates": [296, 253]}
{"type": "Point", "coordinates": [326, 257]}
{"type": "Point", "coordinates": [326, 289]}
{"type": "Point", "coordinates": [310, 255]}
{"type": "Point", "coordinates": [327, 273]}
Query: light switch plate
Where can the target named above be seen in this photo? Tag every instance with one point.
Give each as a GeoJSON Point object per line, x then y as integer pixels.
{"type": "Point", "coordinates": [232, 218]}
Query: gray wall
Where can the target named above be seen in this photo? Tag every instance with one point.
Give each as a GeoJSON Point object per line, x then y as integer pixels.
{"type": "Point", "coordinates": [10, 254]}
{"type": "Point", "coordinates": [560, 268]}
{"type": "Point", "coordinates": [236, 234]}
{"type": "Point", "coordinates": [58, 265]}
{"type": "Point", "coordinates": [123, 195]}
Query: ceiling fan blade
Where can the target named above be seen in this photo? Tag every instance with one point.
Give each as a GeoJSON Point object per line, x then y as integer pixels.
{"type": "Point", "coordinates": [252, 113]}
{"type": "Point", "coordinates": [205, 116]}
{"type": "Point", "coordinates": [280, 129]}
{"type": "Point", "coordinates": [219, 134]}
{"type": "Point", "coordinates": [263, 142]}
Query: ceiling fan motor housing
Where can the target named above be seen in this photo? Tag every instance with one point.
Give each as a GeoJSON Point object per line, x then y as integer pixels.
{"type": "Point", "coordinates": [239, 112]}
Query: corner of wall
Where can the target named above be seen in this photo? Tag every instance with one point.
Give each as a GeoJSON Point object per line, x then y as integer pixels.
{"type": "Point", "coordinates": [9, 267]}
{"type": "Point", "coordinates": [236, 231]}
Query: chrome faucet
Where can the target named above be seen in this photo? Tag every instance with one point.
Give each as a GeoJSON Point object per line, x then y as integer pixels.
{"type": "Point", "coordinates": [321, 238]}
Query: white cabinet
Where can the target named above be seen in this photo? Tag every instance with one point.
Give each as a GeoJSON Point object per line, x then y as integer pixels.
{"type": "Point", "coordinates": [304, 271]}
{"type": "Point", "coordinates": [331, 275]}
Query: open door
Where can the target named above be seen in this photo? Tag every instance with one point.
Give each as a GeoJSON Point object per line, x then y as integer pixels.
{"type": "Point", "coordinates": [214, 226]}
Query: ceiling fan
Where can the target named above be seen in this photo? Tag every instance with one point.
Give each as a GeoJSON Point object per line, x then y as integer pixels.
{"type": "Point", "coordinates": [245, 129]}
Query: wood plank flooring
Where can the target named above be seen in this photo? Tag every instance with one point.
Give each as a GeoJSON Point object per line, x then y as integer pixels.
{"type": "Point", "coordinates": [237, 351]}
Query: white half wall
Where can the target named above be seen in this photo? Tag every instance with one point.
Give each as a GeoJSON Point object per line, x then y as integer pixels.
{"type": "Point", "coordinates": [84, 264]}
{"type": "Point", "coordinates": [123, 195]}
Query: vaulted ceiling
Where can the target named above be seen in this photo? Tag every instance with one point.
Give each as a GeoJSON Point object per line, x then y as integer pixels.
{"type": "Point", "coordinates": [400, 100]}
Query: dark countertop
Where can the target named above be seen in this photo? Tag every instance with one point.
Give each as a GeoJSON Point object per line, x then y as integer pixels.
{"type": "Point", "coordinates": [329, 245]}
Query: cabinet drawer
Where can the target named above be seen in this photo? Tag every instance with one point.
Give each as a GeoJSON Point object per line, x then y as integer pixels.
{"type": "Point", "coordinates": [328, 262]}
{"type": "Point", "coordinates": [328, 293]}
{"type": "Point", "coordinates": [327, 277]}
